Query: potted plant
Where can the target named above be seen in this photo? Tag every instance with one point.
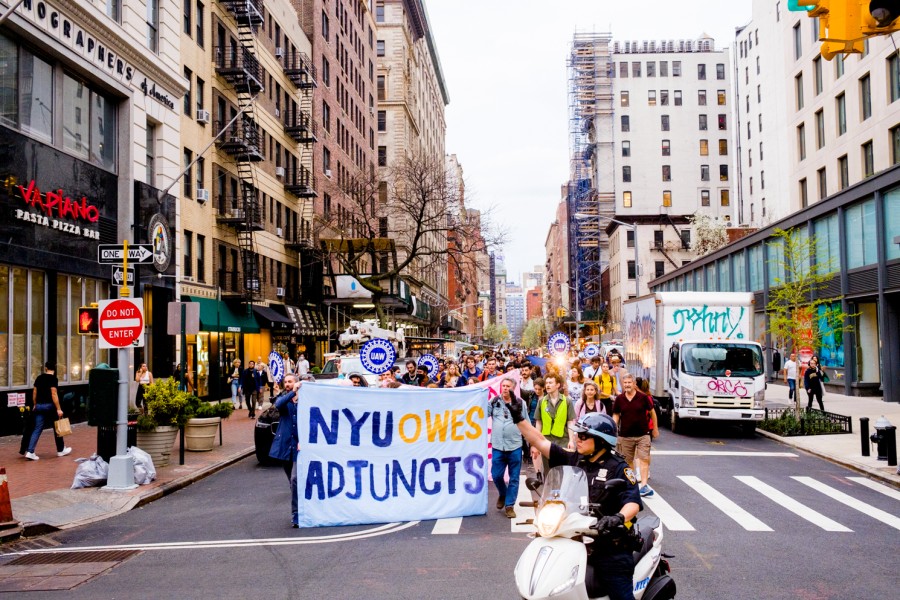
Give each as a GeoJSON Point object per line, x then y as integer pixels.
{"type": "Point", "coordinates": [200, 430]}
{"type": "Point", "coordinates": [167, 409]}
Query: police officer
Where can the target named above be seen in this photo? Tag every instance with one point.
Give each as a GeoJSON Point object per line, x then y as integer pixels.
{"type": "Point", "coordinates": [611, 564]}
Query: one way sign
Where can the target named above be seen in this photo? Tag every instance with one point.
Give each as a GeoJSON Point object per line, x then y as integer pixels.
{"type": "Point", "coordinates": [118, 275]}
{"type": "Point", "coordinates": [110, 254]}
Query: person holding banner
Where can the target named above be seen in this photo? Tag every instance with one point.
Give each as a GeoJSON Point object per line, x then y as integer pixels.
{"type": "Point", "coordinates": [506, 443]}
{"type": "Point", "coordinates": [286, 444]}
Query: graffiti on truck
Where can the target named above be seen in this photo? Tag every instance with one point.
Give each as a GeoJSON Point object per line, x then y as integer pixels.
{"type": "Point", "coordinates": [709, 321]}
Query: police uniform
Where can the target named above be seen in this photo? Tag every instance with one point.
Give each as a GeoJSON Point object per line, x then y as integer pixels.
{"type": "Point", "coordinates": [611, 562]}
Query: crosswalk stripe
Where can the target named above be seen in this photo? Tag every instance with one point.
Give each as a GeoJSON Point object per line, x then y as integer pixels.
{"type": "Point", "coordinates": [723, 453]}
{"type": "Point", "coordinates": [523, 513]}
{"type": "Point", "coordinates": [801, 510]}
{"type": "Point", "coordinates": [882, 489]}
{"type": "Point", "coordinates": [448, 526]}
{"type": "Point", "coordinates": [875, 513]}
{"type": "Point", "coordinates": [720, 501]}
{"type": "Point", "coordinates": [670, 518]}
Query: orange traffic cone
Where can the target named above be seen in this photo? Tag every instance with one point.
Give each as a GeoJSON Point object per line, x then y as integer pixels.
{"type": "Point", "coordinates": [9, 527]}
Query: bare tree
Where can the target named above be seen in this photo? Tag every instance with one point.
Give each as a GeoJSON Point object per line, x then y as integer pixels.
{"type": "Point", "coordinates": [412, 222]}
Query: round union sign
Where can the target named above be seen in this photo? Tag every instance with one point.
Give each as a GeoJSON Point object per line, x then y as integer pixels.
{"type": "Point", "coordinates": [430, 362]}
{"type": "Point", "coordinates": [591, 351]}
{"type": "Point", "coordinates": [377, 356]}
{"type": "Point", "coordinates": [276, 366]}
{"type": "Point", "coordinates": [558, 343]}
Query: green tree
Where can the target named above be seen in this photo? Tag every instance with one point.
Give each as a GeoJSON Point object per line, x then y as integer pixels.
{"type": "Point", "coordinates": [800, 313]}
{"type": "Point", "coordinates": [534, 333]}
{"type": "Point", "coordinates": [495, 334]}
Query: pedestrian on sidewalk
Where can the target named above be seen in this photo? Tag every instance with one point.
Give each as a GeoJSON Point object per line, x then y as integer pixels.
{"type": "Point", "coordinates": [250, 382]}
{"type": "Point", "coordinates": [286, 444]}
{"type": "Point", "coordinates": [812, 383]}
{"type": "Point", "coordinates": [506, 444]}
{"type": "Point", "coordinates": [302, 365]}
{"type": "Point", "coordinates": [45, 397]}
{"type": "Point", "coordinates": [790, 376]}
{"type": "Point", "coordinates": [144, 378]}
{"type": "Point", "coordinates": [636, 420]}
{"type": "Point", "coordinates": [235, 380]}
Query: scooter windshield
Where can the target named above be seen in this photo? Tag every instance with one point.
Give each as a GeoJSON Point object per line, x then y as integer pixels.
{"type": "Point", "coordinates": [567, 484]}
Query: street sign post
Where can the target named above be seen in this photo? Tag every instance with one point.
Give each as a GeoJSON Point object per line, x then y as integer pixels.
{"type": "Point", "coordinates": [114, 254]}
{"type": "Point", "coordinates": [121, 323]}
{"type": "Point", "coordinates": [118, 276]}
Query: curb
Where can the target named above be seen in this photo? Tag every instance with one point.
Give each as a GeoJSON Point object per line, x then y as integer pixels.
{"type": "Point", "coordinates": [859, 469]}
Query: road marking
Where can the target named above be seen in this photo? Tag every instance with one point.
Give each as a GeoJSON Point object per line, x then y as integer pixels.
{"type": "Point", "coordinates": [875, 513]}
{"type": "Point", "coordinates": [215, 544]}
{"type": "Point", "coordinates": [882, 489]}
{"type": "Point", "coordinates": [523, 513]}
{"type": "Point", "coordinates": [723, 453]}
{"type": "Point", "coordinates": [801, 510]}
{"type": "Point", "coordinates": [670, 518]}
{"type": "Point", "coordinates": [447, 526]}
{"type": "Point", "coordinates": [720, 501]}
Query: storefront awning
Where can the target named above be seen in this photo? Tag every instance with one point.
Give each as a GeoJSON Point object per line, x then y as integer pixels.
{"type": "Point", "coordinates": [271, 319]}
{"type": "Point", "coordinates": [307, 321]}
{"type": "Point", "coordinates": [218, 316]}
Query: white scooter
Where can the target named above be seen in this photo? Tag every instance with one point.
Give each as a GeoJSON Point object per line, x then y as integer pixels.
{"type": "Point", "coordinates": [554, 564]}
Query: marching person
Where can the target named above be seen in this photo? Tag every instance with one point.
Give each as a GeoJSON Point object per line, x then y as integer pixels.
{"type": "Point", "coordinates": [45, 399]}
{"type": "Point", "coordinates": [630, 411]}
{"type": "Point", "coordinates": [490, 370]}
{"type": "Point", "coordinates": [506, 444]}
{"type": "Point", "coordinates": [469, 372]}
{"type": "Point", "coordinates": [554, 414]}
{"type": "Point", "coordinates": [607, 384]}
{"type": "Point", "coordinates": [286, 444]}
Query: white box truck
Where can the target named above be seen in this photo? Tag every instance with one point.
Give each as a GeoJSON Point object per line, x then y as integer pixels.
{"type": "Point", "coordinates": [697, 351]}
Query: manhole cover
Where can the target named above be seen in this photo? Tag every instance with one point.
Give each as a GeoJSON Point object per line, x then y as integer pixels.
{"type": "Point", "coordinates": [48, 571]}
{"type": "Point", "coordinates": [53, 558]}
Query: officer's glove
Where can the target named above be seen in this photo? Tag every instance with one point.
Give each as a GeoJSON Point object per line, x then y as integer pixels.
{"type": "Point", "coordinates": [515, 411]}
{"type": "Point", "coordinates": [609, 522]}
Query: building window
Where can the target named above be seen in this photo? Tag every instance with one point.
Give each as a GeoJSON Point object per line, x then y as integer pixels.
{"type": "Point", "coordinates": [326, 26]}
{"type": "Point", "coordinates": [623, 98]}
{"type": "Point", "coordinates": [664, 122]}
{"type": "Point", "coordinates": [188, 265]}
{"type": "Point", "coordinates": [153, 25]}
{"type": "Point", "coordinates": [720, 98]}
{"type": "Point", "coordinates": [701, 72]}
{"type": "Point", "coordinates": [626, 148]}
{"type": "Point", "coordinates": [868, 159]}
{"type": "Point", "coordinates": [676, 68]}
{"type": "Point", "coordinates": [631, 269]}
{"type": "Point", "coordinates": [382, 156]}
{"type": "Point", "coordinates": [895, 144]}
{"type": "Point", "coordinates": [326, 117]}
{"type": "Point", "coordinates": [798, 90]}
{"type": "Point", "coordinates": [379, 13]}
{"type": "Point", "coordinates": [636, 69]}
{"type": "Point", "coordinates": [823, 183]}
{"type": "Point", "coordinates": [651, 98]}
{"type": "Point", "coordinates": [651, 68]}
{"type": "Point", "coordinates": [759, 117]}
{"type": "Point", "coordinates": [379, 48]}
{"type": "Point", "coordinates": [201, 257]}
{"type": "Point", "coordinates": [704, 147]}
{"type": "Point", "coordinates": [723, 122]}
{"type": "Point", "coordinates": [760, 151]}
{"type": "Point", "coordinates": [150, 153]}
{"type": "Point", "coordinates": [723, 172]}
{"type": "Point", "coordinates": [666, 148]}
{"type": "Point", "coordinates": [626, 174]}
{"type": "Point", "coordinates": [723, 147]}
{"type": "Point", "coordinates": [188, 105]}
{"type": "Point", "coordinates": [201, 183]}
{"type": "Point", "coordinates": [623, 69]}
{"type": "Point", "coordinates": [843, 172]}
{"type": "Point", "coordinates": [701, 97]}
{"type": "Point", "coordinates": [664, 97]}
{"type": "Point", "coordinates": [187, 178]}
{"type": "Point", "coordinates": [658, 238]}
{"type": "Point", "coordinates": [804, 196]}
{"type": "Point", "coordinates": [626, 199]}
{"type": "Point", "coordinates": [326, 72]}
{"type": "Point", "coordinates": [381, 87]}
{"type": "Point", "coordinates": [749, 131]}
{"type": "Point", "coordinates": [704, 172]}
{"type": "Point", "coordinates": [660, 268]}
{"type": "Point", "coordinates": [663, 68]}
{"type": "Point", "coordinates": [859, 225]}
{"type": "Point", "coordinates": [667, 172]}
{"type": "Point", "coordinates": [326, 159]}
{"type": "Point", "coordinates": [759, 93]}
{"type": "Point", "coordinates": [667, 198]}
{"type": "Point", "coordinates": [893, 66]}
{"type": "Point", "coordinates": [702, 118]}
{"type": "Point", "coordinates": [629, 238]}
{"type": "Point", "coordinates": [685, 239]}
{"type": "Point", "coordinates": [817, 73]}
{"type": "Point", "coordinates": [798, 43]}
{"type": "Point", "coordinates": [820, 128]}
{"type": "Point", "coordinates": [188, 6]}
{"type": "Point", "coordinates": [382, 120]}
{"type": "Point", "coordinates": [626, 123]}
{"type": "Point", "coordinates": [704, 197]}
{"type": "Point", "coordinates": [801, 141]}
{"type": "Point", "coordinates": [199, 19]}
{"type": "Point", "coordinates": [757, 66]}
{"type": "Point", "coordinates": [677, 97]}
{"type": "Point", "coordinates": [114, 10]}
{"type": "Point", "coordinates": [724, 197]}
{"type": "Point", "coordinates": [720, 71]}
{"type": "Point", "coordinates": [865, 96]}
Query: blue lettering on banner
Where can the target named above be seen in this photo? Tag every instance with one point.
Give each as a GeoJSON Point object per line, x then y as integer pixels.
{"type": "Point", "coordinates": [382, 459]}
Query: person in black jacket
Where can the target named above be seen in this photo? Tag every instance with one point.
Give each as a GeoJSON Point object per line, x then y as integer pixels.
{"type": "Point", "coordinates": [813, 383]}
{"type": "Point", "coordinates": [250, 382]}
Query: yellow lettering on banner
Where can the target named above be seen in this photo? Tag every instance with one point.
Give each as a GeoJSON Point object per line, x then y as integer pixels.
{"type": "Point", "coordinates": [455, 423]}
{"type": "Point", "coordinates": [475, 432]}
{"type": "Point", "coordinates": [401, 427]}
{"type": "Point", "coordinates": [438, 427]}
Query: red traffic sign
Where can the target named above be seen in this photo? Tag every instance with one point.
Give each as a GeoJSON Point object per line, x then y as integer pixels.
{"type": "Point", "coordinates": [121, 322]}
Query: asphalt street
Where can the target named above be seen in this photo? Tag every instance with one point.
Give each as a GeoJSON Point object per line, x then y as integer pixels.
{"type": "Point", "coordinates": [745, 518]}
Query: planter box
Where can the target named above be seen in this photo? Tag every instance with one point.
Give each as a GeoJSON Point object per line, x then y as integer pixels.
{"type": "Point", "coordinates": [158, 444]}
{"type": "Point", "coordinates": [200, 434]}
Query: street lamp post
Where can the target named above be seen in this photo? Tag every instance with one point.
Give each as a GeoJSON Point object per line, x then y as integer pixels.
{"type": "Point", "coordinates": [633, 227]}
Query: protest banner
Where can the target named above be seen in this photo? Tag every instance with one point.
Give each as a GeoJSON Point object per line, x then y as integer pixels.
{"type": "Point", "coordinates": [372, 455]}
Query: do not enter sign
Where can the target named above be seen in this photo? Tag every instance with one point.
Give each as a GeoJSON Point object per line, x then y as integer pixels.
{"type": "Point", "coordinates": [121, 322]}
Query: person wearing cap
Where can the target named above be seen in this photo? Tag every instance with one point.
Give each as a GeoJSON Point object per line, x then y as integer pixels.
{"type": "Point", "coordinates": [610, 566]}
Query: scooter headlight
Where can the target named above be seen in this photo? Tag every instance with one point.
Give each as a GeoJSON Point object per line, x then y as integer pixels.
{"type": "Point", "coordinates": [568, 584]}
{"type": "Point", "coordinates": [550, 517]}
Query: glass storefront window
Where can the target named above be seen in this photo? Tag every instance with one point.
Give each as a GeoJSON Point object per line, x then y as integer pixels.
{"type": "Point", "coordinates": [775, 251]}
{"type": "Point", "coordinates": [76, 116]}
{"type": "Point", "coordinates": [725, 274]}
{"type": "Point", "coordinates": [868, 359]}
{"type": "Point", "coordinates": [62, 328]}
{"type": "Point", "coordinates": [756, 268]}
{"type": "Point", "coordinates": [103, 131]}
{"type": "Point", "coordinates": [699, 280]}
{"type": "Point", "coordinates": [36, 94]}
{"type": "Point", "coordinates": [712, 279]}
{"type": "Point", "coordinates": [19, 326]}
{"type": "Point", "coordinates": [801, 251]}
{"type": "Point", "coordinates": [891, 224]}
{"type": "Point", "coordinates": [76, 300]}
{"type": "Point", "coordinates": [38, 311]}
{"type": "Point", "coordinates": [198, 362]}
{"type": "Point", "coordinates": [862, 245]}
{"type": "Point", "coordinates": [831, 341]}
{"type": "Point", "coordinates": [740, 272]}
{"type": "Point", "coordinates": [90, 344]}
{"type": "Point", "coordinates": [827, 244]}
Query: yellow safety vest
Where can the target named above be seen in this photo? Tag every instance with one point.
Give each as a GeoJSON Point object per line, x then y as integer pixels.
{"type": "Point", "coordinates": [555, 427]}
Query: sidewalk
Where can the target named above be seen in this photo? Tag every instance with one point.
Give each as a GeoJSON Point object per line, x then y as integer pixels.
{"type": "Point", "coordinates": [43, 501]}
{"type": "Point", "coordinates": [40, 490]}
{"type": "Point", "coordinates": [845, 449]}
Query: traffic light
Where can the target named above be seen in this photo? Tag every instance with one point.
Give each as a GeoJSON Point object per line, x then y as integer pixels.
{"type": "Point", "coordinates": [480, 312]}
{"type": "Point", "coordinates": [840, 26]}
{"type": "Point", "coordinates": [88, 321]}
{"type": "Point", "coordinates": [881, 17]}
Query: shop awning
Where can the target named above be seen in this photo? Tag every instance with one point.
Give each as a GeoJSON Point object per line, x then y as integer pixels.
{"type": "Point", "coordinates": [218, 316]}
{"type": "Point", "coordinates": [271, 319]}
{"type": "Point", "coordinates": [307, 321]}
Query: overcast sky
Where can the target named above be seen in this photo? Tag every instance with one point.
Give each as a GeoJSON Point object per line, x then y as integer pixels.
{"type": "Point", "coordinates": [504, 63]}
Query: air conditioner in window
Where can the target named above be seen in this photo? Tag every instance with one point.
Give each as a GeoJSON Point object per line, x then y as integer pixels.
{"type": "Point", "coordinates": [279, 171]}
{"type": "Point", "coordinates": [202, 196]}
{"type": "Point", "coordinates": [203, 117]}
{"type": "Point", "coordinates": [279, 232]}
{"type": "Point", "coordinates": [371, 110]}
{"type": "Point", "coordinates": [279, 292]}
{"type": "Point", "coordinates": [187, 280]}
{"type": "Point", "coordinates": [279, 52]}
{"type": "Point", "coordinates": [277, 112]}
{"type": "Point", "coordinates": [328, 173]}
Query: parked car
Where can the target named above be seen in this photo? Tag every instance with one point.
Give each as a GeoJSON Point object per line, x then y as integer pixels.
{"type": "Point", "coordinates": [264, 435]}
{"type": "Point", "coordinates": [340, 367]}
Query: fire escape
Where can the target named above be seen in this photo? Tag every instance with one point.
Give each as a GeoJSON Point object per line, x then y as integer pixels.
{"type": "Point", "coordinates": [238, 64]}
{"type": "Point", "coordinates": [299, 125]}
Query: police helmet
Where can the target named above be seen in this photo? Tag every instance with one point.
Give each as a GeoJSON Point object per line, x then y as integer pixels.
{"type": "Point", "coordinates": [599, 426]}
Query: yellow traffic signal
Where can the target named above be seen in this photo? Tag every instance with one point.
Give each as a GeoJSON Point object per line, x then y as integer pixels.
{"type": "Point", "coordinates": [880, 17]}
{"type": "Point", "coordinates": [840, 26]}
{"type": "Point", "coordinates": [480, 312]}
{"type": "Point", "coordinates": [561, 312]}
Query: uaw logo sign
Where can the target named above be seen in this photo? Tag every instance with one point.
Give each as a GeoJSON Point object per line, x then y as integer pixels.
{"type": "Point", "coordinates": [276, 366]}
{"type": "Point", "coordinates": [430, 362]}
{"type": "Point", "coordinates": [591, 351]}
{"type": "Point", "coordinates": [558, 343]}
{"type": "Point", "coordinates": [377, 356]}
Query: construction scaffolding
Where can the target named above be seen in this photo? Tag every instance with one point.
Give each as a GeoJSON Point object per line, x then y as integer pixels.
{"type": "Point", "coordinates": [590, 195]}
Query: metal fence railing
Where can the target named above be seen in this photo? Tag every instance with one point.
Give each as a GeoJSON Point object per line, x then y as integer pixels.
{"type": "Point", "coordinates": [788, 421]}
